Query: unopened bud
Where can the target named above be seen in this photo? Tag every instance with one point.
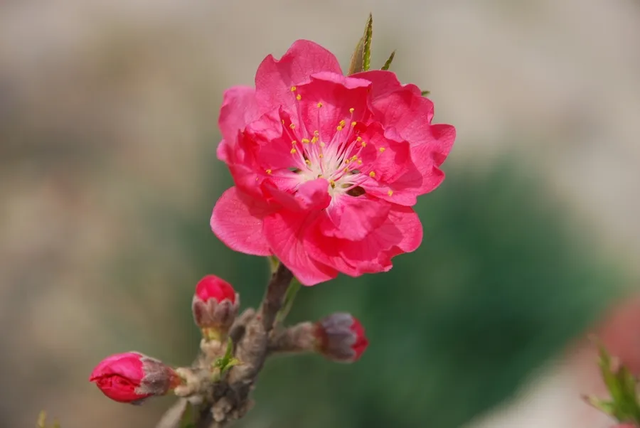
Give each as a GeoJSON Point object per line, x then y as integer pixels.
{"type": "Point", "coordinates": [215, 306]}
{"type": "Point", "coordinates": [340, 337]}
{"type": "Point", "coordinates": [131, 377]}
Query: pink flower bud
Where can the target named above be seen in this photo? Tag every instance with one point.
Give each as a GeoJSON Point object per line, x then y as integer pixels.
{"type": "Point", "coordinates": [131, 377]}
{"type": "Point", "coordinates": [340, 337]}
{"type": "Point", "coordinates": [215, 306]}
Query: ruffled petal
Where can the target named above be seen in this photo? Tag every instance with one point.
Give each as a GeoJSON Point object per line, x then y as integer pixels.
{"type": "Point", "coordinates": [239, 108]}
{"type": "Point", "coordinates": [400, 233]}
{"type": "Point", "coordinates": [384, 82]}
{"type": "Point", "coordinates": [275, 78]}
{"type": "Point", "coordinates": [237, 221]}
{"type": "Point", "coordinates": [285, 231]}
{"type": "Point", "coordinates": [353, 218]}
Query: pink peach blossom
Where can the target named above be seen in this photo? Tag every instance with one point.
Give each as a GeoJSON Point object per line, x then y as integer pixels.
{"type": "Point", "coordinates": [326, 167]}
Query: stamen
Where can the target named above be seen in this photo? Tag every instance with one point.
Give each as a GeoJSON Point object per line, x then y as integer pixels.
{"type": "Point", "coordinates": [382, 149]}
{"type": "Point", "coordinates": [351, 110]}
{"type": "Point", "coordinates": [353, 124]}
{"type": "Point", "coordinates": [298, 97]}
{"type": "Point", "coordinates": [293, 151]}
{"type": "Point", "coordinates": [268, 171]}
{"type": "Point", "coordinates": [372, 174]}
{"type": "Point", "coordinates": [293, 89]}
{"type": "Point", "coordinates": [292, 126]}
{"type": "Point", "coordinates": [319, 105]}
{"type": "Point", "coordinates": [305, 141]}
{"type": "Point", "coordinates": [390, 192]}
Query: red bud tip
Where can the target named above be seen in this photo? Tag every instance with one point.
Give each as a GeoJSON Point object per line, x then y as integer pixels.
{"type": "Point", "coordinates": [215, 306]}
{"type": "Point", "coordinates": [341, 337]}
{"type": "Point", "coordinates": [131, 377]}
{"type": "Point", "coordinates": [212, 287]}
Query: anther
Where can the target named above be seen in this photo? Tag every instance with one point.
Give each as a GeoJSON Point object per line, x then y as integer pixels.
{"type": "Point", "coordinates": [382, 149]}
{"type": "Point", "coordinates": [390, 192]}
{"type": "Point", "coordinates": [351, 110]}
{"type": "Point", "coordinates": [298, 97]}
{"type": "Point", "coordinates": [319, 105]}
{"type": "Point", "coordinates": [293, 89]}
{"type": "Point", "coordinates": [293, 151]}
{"type": "Point", "coordinates": [305, 141]}
{"type": "Point", "coordinates": [372, 174]}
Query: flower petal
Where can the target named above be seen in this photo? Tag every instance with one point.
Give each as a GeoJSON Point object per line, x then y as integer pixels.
{"type": "Point", "coordinates": [239, 108]}
{"type": "Point", "coordinates": [237, 221]}
{"type": "Point", "coordinates": [275, 78]}
{"type": "Point", "coordinates": [285, 231]}
{"type": "Point", "coordinates": [384, 82]}
{"type": "Point", "coordinates": [400, 233]}
{"type": "Point", "coordinates": [353, 218]}
{"type": "Point", "coordinates": [328, 99]}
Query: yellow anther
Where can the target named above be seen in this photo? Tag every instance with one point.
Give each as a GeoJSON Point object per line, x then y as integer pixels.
{"type": "Point", "coordinates": [314, 140]}
{"type": "Point", "coordinates": [293, 89]}
{"type": "Point", "coordinates": [359, 139]}
{"type": "Point", "coordinates": [319, 105]}
{"type": "Point", "coordinates": [293, 151]}
{"type": "Point", "coordinates": [282, 121]}
{"type": "Point", "coordinates": [359, 161]}
{"type": "Point", "coordinates": [354, 157]}
{"type": "Point", "coordinates": [322, 144]}
{"type": "Point", "coordinates": [332, 183]}
{"type": "Point", "coordinates": [351, 110]}
{"type": "Point", "coordinates": [320, 155]}
{"type": "Point", "coordinates": [342, 123]}
{"type": "Point", "coordinates": [382, 149]}
{"type": "Point", "coordinates": [372, 174]}
{"type": "Point", "coordinates": [353, 124]}
{"type": "Point", "coordinates": [390, 192]}
{"type": "Point", "coordinates": [294, 142]}
{"type": "Point", "coordinates": [364, 144]}
{"type": "Point", "coordinates": [307, 161]}
{"type": "Point", "coordinates": [339, 128]}
{"type": "Point", "coordinates": [305, 141]}
{"type": "Point", "coordinates": [268, 171]}
{"type": "Point", "coordinates": [292, 126]}
{"type": "Point", "coordinates": [346, 169]}
{"type": "Point", "coordinates": [346, 162]}
{"type": "Point", "coordinates": [316, 133]}
{"type": "Point", "coordinates": [298, 97]}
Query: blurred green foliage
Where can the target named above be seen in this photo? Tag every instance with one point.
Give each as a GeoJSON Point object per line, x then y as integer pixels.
{"type": "Point", "coordinates": [500, 284]}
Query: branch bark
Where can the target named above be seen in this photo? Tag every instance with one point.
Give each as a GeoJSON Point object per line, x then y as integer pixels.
{"type": "Point", "coordinates": [228, 399]}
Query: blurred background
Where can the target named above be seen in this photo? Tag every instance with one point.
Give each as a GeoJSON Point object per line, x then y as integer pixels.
{"type": "Point", "coordinates": [108, 174]}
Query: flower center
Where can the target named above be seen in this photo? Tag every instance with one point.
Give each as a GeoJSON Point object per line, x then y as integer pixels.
{"type": "Point", "coordinates": [338, 158]}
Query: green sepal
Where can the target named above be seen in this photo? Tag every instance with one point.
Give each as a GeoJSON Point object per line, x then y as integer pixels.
{"type": "Point", "coordinates": [425, 93]}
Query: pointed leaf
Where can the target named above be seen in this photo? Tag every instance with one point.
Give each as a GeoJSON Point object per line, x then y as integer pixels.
{"type": "Point", "coordinates": [387, 64]}
{"type": "Point", "coordinates": [289, 298]}
{"type": "Point", "coordinates": [368, 34]}
{"type": "Point", "coordinates": [360, 53]}
{"type": "Point", "coordinates": [425, 93]}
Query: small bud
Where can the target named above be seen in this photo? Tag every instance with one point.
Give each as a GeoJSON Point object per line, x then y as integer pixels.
{"type": "Point", "coordinates": [340, 337]}
{"type": "Point", "coordinates": [131, 377]}
{"type": "Point", "coordinates": [215, 306]}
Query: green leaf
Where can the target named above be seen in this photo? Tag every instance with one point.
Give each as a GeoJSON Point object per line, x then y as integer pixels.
{"type": "Point", "coordinates": [425, 93]}
{"type": "Point", "coordinates": [187, 420]}
{"type": "Point", "coordinates": [224, 363]}
{"type": "Point", "coordinates": [622, 386]}
{"type": "Point", "coordinates": [361, 58]}
{"type": "Point", "coordinates": [368, 36]}
{"type": "Point", "coordinates": [389, 60]}
{"type": "Point", "coordinates": [289, 298]}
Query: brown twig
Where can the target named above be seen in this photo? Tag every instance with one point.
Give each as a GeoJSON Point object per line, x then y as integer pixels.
{"type": "Point", "coordinates": [228, 399]}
